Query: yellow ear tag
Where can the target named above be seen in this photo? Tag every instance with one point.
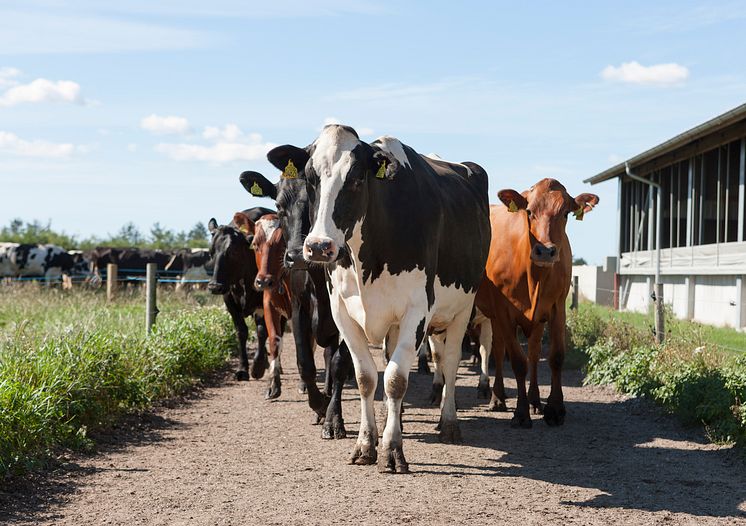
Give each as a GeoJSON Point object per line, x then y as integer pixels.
{"type": "Point", "coordinates": [512, 207]}
{"type": "Point", "coordinates": [256, 189]}
{"type": "Point", "coordinates": [291, 172]}
{"type": "Point", "coordinates": [381, 173]}
{"type": "Point", "coordinates": [244, 228]}
{"type": "Point", "coordinates": [579, 213]}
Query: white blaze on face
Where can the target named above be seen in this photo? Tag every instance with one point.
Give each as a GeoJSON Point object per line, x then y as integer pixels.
{"type": "Point", "coordinates": [331, 160]}
{"type": "Point", "coordinates": [268, 226]}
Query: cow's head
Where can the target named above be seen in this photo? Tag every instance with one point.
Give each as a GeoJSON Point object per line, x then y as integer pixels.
{"type": "Point", "coordinates": [546, 206]}
{"type": "Point", "coordinates": [230, 251]}
{"type": "Point", "coordinates": [269, 248]}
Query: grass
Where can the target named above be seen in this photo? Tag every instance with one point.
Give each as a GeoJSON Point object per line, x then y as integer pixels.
{"type": "Point", "coordinates": [698, 373]}
{"type": "Point", "coordinates": [71, 363]}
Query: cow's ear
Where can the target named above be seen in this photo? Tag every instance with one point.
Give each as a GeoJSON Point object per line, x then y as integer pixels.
{"type": "Point", "coordinates": [258, 185]}
{"type": "Point", "coordinates": [385, 166]}
{"type": "Point", "coordinates": [512, 199]}
{"type": "Point", "coordinates": [289, 159]}
{"type": "Point", "coordinates": [212, 226]}
{"type": "Point", "coordinates": [243, 223]}
{"type": "Point", "coordinates": [585, 203]}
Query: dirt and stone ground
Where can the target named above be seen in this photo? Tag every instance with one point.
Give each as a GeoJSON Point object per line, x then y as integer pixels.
{"type": "Point", "coordinates": [228, 457]}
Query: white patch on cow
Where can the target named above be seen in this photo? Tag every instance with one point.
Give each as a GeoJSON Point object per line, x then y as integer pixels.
{"type": "Point", "coordinates": [269, 225]}
{"type": "Point", "coordinates": [485, 344]}
{"type": "Point", "coordinates": [393, 147]}
{"type": "Point", "coordinates": [434, 156]}
{"type": "Point", "coordinates": [331, 160]}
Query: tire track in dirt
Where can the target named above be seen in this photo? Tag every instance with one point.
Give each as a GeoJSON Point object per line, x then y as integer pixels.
{"type": "Point", "coordinates": [228, 457]}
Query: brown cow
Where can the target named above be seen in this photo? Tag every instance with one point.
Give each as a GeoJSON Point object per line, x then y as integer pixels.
{"type": "Point", "coordinates": [527, 279]}
{"type": "Point", "coordinates": [269, 249]}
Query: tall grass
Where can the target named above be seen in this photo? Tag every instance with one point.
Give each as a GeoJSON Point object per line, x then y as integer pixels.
{"type": "Point", "coordinates": [71, 363]}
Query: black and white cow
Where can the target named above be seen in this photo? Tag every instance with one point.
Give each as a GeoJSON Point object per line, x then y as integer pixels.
{"type": "Point", "coordinates": [190, 267]}
{"type": "Point", "coordinates": [405, 239]}
{"type": "Point", "coordinates": [34, 260]}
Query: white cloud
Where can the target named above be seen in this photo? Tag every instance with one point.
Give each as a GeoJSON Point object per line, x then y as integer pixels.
{"type": "Point", "coordinates": [165, 125]}
{"type": "Point", "coordinates": [132, 147]}
{"type": "Point", "coordinates": [8, 77]}
{"type": "Point", "coordinates": [635, 73]}
{"type": "Point", "coordinates": [11, 143]}
{"type": "Point", "coordinates": [43, 90]}
{"type": "Point", "coordinates": [228, 144]}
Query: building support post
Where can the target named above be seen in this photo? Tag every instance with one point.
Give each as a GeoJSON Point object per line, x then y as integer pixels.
{"type": "Point", "coordinates": [689, 283]}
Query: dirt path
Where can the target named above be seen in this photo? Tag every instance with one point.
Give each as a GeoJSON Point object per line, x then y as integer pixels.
{"type": "Point", "coordinates": [228, 457]}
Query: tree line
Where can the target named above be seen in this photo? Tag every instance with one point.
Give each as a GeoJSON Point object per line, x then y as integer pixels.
{"type": "Point", "coordinates": [129, 235]}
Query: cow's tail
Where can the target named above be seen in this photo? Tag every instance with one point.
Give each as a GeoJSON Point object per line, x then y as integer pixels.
{"type": "Point", "coordinates": [478, 179]}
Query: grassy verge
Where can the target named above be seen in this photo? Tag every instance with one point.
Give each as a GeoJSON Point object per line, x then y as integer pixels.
{"type": "Point", "coordinates": [699, 373]}
{"type": "Point", "coordinates": [71, 363]}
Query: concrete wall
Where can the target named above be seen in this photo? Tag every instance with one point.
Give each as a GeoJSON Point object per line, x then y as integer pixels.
{"type": "Point", "coordinates": [596, 283]}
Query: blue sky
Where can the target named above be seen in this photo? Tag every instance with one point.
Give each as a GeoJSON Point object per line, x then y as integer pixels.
{"type": "Point", "coordinates": [148, 111]}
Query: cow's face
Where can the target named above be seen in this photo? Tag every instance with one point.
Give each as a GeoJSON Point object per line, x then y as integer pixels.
{"type": "Point", "coordinates": [229, 251]}
{"type": "Point", "coordinates": [269, 249]}
{"type": "Point", "coordinates": [546, 206]}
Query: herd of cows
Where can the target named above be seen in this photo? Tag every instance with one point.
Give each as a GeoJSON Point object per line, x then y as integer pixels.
{"type": "Point", "coordinates": [375, 244]}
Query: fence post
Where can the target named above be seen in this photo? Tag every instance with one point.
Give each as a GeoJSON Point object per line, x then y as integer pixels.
{"type": "Point", "coordinates": [574, 300]}
{"type": "Point", "coordinates": [111, 281]}
{"type": "Point", "coordinates": [151, 310]}
{"type": "Point", "coordinates": [660, 328]}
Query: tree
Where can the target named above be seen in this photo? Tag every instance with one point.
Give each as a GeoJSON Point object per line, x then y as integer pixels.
{"type": "Point", "coordinates": [579, 261]}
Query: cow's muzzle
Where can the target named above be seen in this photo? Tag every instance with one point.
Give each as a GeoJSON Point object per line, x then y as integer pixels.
{"type": "Point", "coordinates": [320, 250]}
{"type": "Point", "coordinates": [544, 255]}
{"type": "Point", "coordinates": [264, 283]}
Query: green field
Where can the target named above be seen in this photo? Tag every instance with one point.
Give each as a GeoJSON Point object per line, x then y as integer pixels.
{"type": "Point", "coordinates": [71, 363]}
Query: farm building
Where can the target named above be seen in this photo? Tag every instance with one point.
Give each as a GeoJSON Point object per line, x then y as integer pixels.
{"type": "Point", "coordinates": [701, 174]}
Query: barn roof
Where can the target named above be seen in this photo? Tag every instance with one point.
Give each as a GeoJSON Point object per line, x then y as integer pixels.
{"type": "Point", "coordinates": [682, 140]}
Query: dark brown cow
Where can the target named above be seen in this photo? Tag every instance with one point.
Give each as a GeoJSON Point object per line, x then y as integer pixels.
{"type": "Point", "coordinates": [271, 279]}
{"type": "Point", "coordinates": [526, 283]}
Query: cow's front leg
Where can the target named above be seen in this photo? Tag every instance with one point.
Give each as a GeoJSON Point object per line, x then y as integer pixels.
{"type": "Point", "coordinates": [259, 364]}
{"type": "Point", "coordinates": [521, 417]}
{"type": "Point", "coordinates": [242, 334]}
{"type": "Point", "coordinates": [497, 401]}
{"type": "Point", "coordinates": [534, 352]}
{"type": "Point", "coordinates": [554, 411]}
{"type": "Point", "coordinates": [339, 368]}
{"type": "Point", "coordinates": [272, 317]}
{"type": "Point", "coordinates": [303, 335]}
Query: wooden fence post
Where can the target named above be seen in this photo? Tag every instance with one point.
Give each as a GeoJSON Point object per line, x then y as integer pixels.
{"type": "Point", "coordinates": [111, 281]}
{"type": "Point", "coordinates": [574, 300]}
{"type": "Point", "coordinates": [151, 309]}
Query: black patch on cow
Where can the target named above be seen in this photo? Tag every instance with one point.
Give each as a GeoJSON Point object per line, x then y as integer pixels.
{"type": "Point", "coordinates": [419, 334]}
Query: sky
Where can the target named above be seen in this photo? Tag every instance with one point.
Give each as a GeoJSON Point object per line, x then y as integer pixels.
{"type": "Point", "coordinates": [148, 111]}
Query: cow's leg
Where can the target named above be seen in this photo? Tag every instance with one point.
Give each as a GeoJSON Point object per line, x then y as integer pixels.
{"type": "Point", "coordinates": [518, 361]}
{"type": "Point", "coordinates": [328, 380]}
{"type": "Point", "coordinates": [449, 429]}
{"type": "Point", "coordinates": [304, 347]}
{"type": "Point", "coordinates": [242, 334]}
{"type": "Point", "coordinates": [422, 366]}
{"type": "Point", "coordinates": [437, 343]}
{"type": "Point", "coordinates": [272, 316]}
{"type": "Point", "coordinates": [485, 348]}
{"type": "Point", "coordinates": [340, 365]}
{"type": "Point", "coordinates": [554, 411]}
{"type": "Point", "coordinates": [534, 352]}
{"type": "Point", "coordinates": [497, 402]}
{"type": "Point", "coordinates": [259, 363]}
{"type": "Point", "coordinates": [396, 376]}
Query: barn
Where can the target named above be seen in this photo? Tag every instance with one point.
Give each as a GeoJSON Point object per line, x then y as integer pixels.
{"type": "Point", "coordinates": [702, 224]}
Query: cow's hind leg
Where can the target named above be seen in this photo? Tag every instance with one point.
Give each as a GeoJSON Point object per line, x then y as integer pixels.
{"type": "Point", "coordinates": [339, 366]}
{"type": "Point", "coordinates": [436, 344]}
{"type": "Point", "coordinates": [554, 411]}
{"type": "Point", "coordinates": [450, 432]}
{"type": "Point", "coordinates": [485, 348]}
{"type": "Point", "coordinates": [534, 352]}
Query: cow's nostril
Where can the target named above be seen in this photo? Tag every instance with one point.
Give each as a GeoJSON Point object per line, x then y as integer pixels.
{"type": "Point", "coordinates": [552, 251]}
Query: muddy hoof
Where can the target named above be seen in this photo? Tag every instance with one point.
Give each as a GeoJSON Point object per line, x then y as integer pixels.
{"type": "Point", "coordinates": [334, 429]}
{"type": "Point", "coordinates": [483, 389]}
{"type": "Point", "coordinates": [450, 433]}
{"type": "Point", "coordinates": [437, 395]}
{"type": "Point", "coordinates": [497, 405]}
{"type": "Point", "coordinates": [364, 455]}
{"type": "Point", "coordinates": [521, 421]}
{"type": "Point", "coordinates": [302, 387]}
{"type": "Point", "coordinates": [258, 367]}
{"type": "Point", "coordinates": [242, 376]}
{"type": "Point", "coordinates": [554, 415]}
{"type": "Point", "coordinates": [392, 460]}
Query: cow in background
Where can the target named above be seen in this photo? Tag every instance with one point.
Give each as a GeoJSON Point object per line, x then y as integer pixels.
{"type": "Point", "coordinates": [32, 260]}
{"type": "Point", "coordinates": [190, 267]}
{"type": "Point", "coordinates": [233, 277]}
{"type": "Point", "coordinates": [527, 279]}
{"type": "Point", "coordinates": [312, 319]}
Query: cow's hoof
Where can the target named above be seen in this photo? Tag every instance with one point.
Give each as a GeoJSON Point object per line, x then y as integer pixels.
{"type": "Point", "coordinates": [317, 419]}
{"type": "Point", "coordinates": [392, 460]}
{"type": "Point", "coordinates": [302, 387]}
{"type": "Point", "coordinates": [520, 421]}
{"type": "Point", "coordinates": [437, 395]}
{"type": "Point", "coordinates": [497, 405]}
{"type": "Point", "coordinates": [537, 408]}
{"type": "Point", "coordinates": [242, 376]}
{"type": "Point", "coordinates": [334, 429]}
{"type": "Point", "coordinates": [554, 415]}
{"type": "Point", "coordinates": [483, 389]}
{"type": "Point", "coordinates": [274, 391]}
{"type": "Point", "coordinates": [258, 367]}
{"type": "Point", "coordinates": [364, 455]}
{"type": "Point", "coordinates": [450, 433]}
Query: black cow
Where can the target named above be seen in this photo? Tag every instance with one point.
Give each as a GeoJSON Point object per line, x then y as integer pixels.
{"type": "Point", "coordinates": [404, 239]}
{"type": "Point", "coordinates": [233, 277]}
{"type": "Point", "coordinates": [131, 262]}
{"type": "Point", "coordinates": [311, 319]}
